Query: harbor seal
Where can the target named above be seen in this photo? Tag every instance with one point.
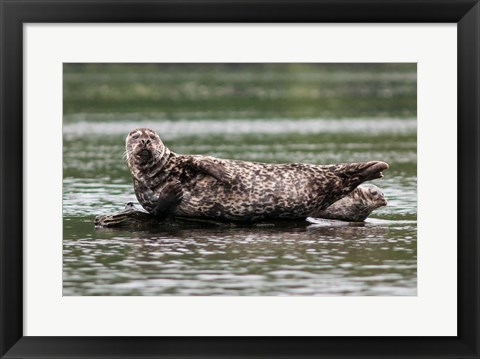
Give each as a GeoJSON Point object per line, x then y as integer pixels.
{"type": "Point", "coordinates": [356, 206]}
{"type": "Point", "coordinates": [196, 186]}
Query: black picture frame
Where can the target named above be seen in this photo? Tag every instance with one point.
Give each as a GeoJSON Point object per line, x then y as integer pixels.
{"type": "Point", "coordinates": [14, 13]}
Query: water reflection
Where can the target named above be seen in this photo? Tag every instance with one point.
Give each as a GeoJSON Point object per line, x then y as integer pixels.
{"type": "Point", "coordinates": [293, 259]}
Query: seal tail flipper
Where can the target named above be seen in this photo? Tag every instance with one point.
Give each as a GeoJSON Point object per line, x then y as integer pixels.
{"type": "Point", "coordinates": [354, 174]}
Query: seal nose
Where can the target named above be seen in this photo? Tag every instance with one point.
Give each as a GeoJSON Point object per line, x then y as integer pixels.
{"type": "Point", "coordinates": [145, 142]}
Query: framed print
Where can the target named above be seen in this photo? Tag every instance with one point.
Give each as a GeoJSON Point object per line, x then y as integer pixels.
{"type": "Point", "coordinates": [269, 116]}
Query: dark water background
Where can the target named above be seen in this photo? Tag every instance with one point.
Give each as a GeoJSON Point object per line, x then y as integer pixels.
{"type": "Point", "coordinates": [270, 113]}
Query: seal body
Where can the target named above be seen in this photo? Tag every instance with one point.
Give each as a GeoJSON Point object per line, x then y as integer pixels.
{"type": "Point", "coordinates": [195, 186]}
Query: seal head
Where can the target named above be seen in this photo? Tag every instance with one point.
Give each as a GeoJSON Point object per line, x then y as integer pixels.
{"type": "Point", "coordinates": [356, 206]}
{"type": "Point", "coordinates": [143, 150]}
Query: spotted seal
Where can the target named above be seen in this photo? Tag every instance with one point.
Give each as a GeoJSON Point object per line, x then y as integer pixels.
{"type": "Point", "coordinates": [356, 206]}
{"type": "Point", "coordinates": [196, 186]}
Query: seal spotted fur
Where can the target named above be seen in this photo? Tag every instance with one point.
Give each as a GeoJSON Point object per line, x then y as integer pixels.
{"type": "Point", "coordinates": [195, 186]}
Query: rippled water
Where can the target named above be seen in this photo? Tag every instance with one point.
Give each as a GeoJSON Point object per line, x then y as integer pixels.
{"type": "Point", "coordinates": [378, 257]}
{"type": "Point", "coordinates": [314, 113]}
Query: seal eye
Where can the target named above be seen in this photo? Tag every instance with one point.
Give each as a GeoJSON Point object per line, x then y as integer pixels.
{"type": "Point", "coordinates": [152, 137]}
{"type": "Point", "coordinates": [134, 137]}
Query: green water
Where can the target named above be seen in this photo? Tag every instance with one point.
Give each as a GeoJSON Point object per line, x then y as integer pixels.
{"type": "Point", "coordinates": [270, 113]}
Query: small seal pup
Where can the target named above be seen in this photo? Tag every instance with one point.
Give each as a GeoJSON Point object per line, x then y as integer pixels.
{"type": "Point", "coordinates": [195, 186]}
{"type": "Point", "coordinates": [356, 206]}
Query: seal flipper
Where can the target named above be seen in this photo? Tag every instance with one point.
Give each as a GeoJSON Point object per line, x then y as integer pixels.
{"type": "Point", "coordinates": [366, 171]}
{"type": "Point", "coordinates": [158, 205]}
{"type": "Point", "coordinates": [354, 174]}
{"type": "Point", "coordinates": [171, 196]}
{"type": "Point", "coordinates": [212, 167]}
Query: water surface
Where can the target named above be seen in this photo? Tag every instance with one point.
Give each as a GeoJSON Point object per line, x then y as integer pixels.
{"type": "Point", "coordinates": [278, 114]}
{"type": "Point", "coordinates": [377, 258]}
